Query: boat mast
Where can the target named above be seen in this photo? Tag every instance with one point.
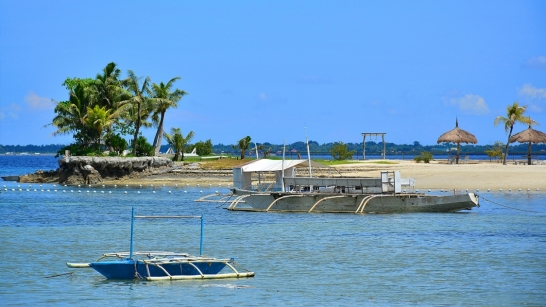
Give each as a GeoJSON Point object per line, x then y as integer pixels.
{"type": "Point", "coordinates": [308, 154]}
{"type": "Point", "coordinates": [282, 165]}
{"type": "Point", "coordinates": [259, 173]}
{"type": "Point", "coordinates": [132, 231]}
{"type": "Point", "coordinates": [202, 231]}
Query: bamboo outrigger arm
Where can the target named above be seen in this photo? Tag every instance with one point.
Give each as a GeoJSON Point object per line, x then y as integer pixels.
{"type": "Point", "coordinates": [364, 202]}
{"type": "Point", "coordinates": [236, 201]}
{"type": "Point", "coordinates": [323, 199]}
{"type": "Point", "coordinates": [282, 197]}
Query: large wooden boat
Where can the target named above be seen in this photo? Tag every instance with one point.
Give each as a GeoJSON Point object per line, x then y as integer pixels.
{"type": "Point", "coordinates": [385, 194]}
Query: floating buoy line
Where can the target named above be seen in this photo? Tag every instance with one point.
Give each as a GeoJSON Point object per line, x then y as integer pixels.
{"type": "Point", "coordinates": [87, 188]}
{"type": "Point", "coordinates": [185, 186]}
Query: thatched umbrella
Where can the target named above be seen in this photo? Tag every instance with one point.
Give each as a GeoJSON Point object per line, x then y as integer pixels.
{"type": "Point", "coordinates": [457, 136]}
{"type": "Point", "coordinates": [530, 136]}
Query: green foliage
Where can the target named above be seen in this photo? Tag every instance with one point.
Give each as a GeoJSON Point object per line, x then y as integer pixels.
{"type": "Point", "coordinates": [242, 145]}
{"type": "Point", "coordinates": [425, 156]}
{"type": "Point", "coordinates": [340, 151]}
{"type": "Point", "coordinates": [203, 148]}
{"type": "Point", "coordinates": [117, 143]}
{"type": "Point", "coordinates": [143, 148]}
{"type": "Point", "coordinates": [178, 142]}
{"type": "Point", "coordinates": [77, 149]}
{"type": "Point", "coordinates": [514, 114]}
{"type": "Point", "coordinates": [165, 98]}
{"type": "Point", "coordinates": [495, 151]}
{"type": "Point", "coordinates": [265, 151]}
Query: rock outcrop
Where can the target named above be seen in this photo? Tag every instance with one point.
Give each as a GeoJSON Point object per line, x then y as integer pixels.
{"type": "Point", "coordinates": [93, 170]}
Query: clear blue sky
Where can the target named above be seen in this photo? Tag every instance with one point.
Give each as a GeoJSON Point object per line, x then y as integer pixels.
{"type": "Point", "coordinates": [270, 68]}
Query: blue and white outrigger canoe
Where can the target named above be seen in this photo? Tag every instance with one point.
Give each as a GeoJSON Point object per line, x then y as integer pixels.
{"type": "Point", "coordinates": [155, 265]}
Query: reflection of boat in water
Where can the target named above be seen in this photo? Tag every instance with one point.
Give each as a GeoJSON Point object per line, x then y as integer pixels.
{"type": "Point", "coordinates": [350, 195]}
{"type": "Point", "coordinates": [162, 265]}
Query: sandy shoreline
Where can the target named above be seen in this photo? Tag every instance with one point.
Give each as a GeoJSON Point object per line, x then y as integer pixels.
{"type": "Point", "coordinates": [436, 175]}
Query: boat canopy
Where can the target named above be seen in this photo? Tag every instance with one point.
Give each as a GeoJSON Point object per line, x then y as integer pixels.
{"type": "Point", "coordinates": [242, 174]}
{"type": "Point", "coordinates": [266, 165]}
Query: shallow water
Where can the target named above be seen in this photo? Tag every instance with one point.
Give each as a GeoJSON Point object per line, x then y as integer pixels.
{"type": "Point", "coordinates": [492, 255]}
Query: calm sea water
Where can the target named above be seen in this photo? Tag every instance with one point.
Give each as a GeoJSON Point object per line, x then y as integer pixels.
{"type": "Point", "coordinates": [490, 256]}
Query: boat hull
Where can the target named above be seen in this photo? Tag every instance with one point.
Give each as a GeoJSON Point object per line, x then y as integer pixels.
{"type": "Point", "coordinates": [127, 269]}
{"type": "Point", "coordinates": [352, 203]}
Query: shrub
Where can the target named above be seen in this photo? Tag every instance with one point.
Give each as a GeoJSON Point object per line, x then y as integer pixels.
{"type": "Point", "coordinates": [202, 148]}
{"type": "Point", "coordinates": [117, 143]}
{"type": "Point", "coordinates": [425, 156]}
{"type": "Point", "coordinates": [77, 150]}
{"type": "Point", "coordinates": [340, 151]}
{"type": "Point", "coordinates": [143, 148]}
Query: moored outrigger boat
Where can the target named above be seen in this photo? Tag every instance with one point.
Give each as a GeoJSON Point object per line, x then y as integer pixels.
{"type": "Point", "coordinates": [336, 195]}
{"type": "Point", "coordinates": [156, 266]}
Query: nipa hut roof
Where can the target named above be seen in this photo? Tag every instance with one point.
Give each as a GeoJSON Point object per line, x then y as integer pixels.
{"type": "Point", "coordinates": [529, 135]}
{"type": "Point", "coordinates": [457, 135]}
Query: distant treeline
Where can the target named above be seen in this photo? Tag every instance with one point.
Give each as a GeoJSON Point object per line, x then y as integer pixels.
{"type": "Point", "coordinates": [372, 148]}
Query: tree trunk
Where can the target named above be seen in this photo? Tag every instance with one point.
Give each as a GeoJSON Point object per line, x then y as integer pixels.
{"type": "Point", "coordinates": [529, 155]}
{"type": "Point", "coordinates": [159, 135]}
{"type": "Point", "coordinates": [136, 130]}
{"type": "Point", "coordinates": [507, 143]}
{"type": "Point", "coordinates": [458, 150]}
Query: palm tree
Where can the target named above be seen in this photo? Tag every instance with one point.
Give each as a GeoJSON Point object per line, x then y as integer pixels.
{"type": "Point", "coordinates": [107, 86]}
{"type": "Point", "coordinates": [165, 100]}
{"type": "Point", "coordinates": [242, 145]}
{"type": "Point", "coordinates": [514, 114]}
{"type": "Point", "coordinates": [71, 114]}
{"type": "Point", "coordinates": [139, 99]}
{"type": "Point", "coordinates": [97, 119]}
{"type": "Point", "coordinates": [178, 141]}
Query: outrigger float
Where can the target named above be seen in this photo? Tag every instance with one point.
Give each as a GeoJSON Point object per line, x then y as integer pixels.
{"type": "Point", "coordinates": [158, 266]}
{"type": "Point", "coordinates": [384, 194]}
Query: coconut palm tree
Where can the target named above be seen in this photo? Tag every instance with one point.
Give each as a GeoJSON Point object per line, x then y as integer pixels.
{"type": "Point", "coordinates": [165, 99]}
{"type": "Point", "coordinates": [138, 100]}
{"type": "Point", "coordinates": [178, 141]}
{"type": "Point", "coordinates": [514, 114]}
{"type": "Point", "coordinates": [71, 114]}
{"type": "Point", "coordinates": [243, 145]}
{"type": "Point", "coordinates": [97, 119]}
{"type": "Point", "coordinates": [107, 87]}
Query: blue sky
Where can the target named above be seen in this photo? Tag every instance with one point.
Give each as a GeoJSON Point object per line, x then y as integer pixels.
{"type": "Point", "coordinates": [281, 70]}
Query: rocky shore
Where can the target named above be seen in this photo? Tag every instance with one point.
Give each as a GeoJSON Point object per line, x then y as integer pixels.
{"type": "Point", "coordinates": [93, 170]}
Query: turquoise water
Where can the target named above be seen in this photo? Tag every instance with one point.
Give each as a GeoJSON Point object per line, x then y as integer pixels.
{"type": "Point", "coordinates": [490, 256]}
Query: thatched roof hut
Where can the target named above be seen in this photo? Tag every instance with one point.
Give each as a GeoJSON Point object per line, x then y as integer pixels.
{"type": "Point", "coordinates": [530, 136]}
{"type": "Point", "coordinates": [458, 136]}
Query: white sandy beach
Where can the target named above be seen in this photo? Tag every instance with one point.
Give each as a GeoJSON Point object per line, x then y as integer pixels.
{"type": "Point", "coordinates": [436, 175]}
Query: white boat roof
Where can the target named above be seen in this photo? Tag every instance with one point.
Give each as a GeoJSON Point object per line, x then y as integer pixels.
{"type": "Point", "coordinates": [266, 165]}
